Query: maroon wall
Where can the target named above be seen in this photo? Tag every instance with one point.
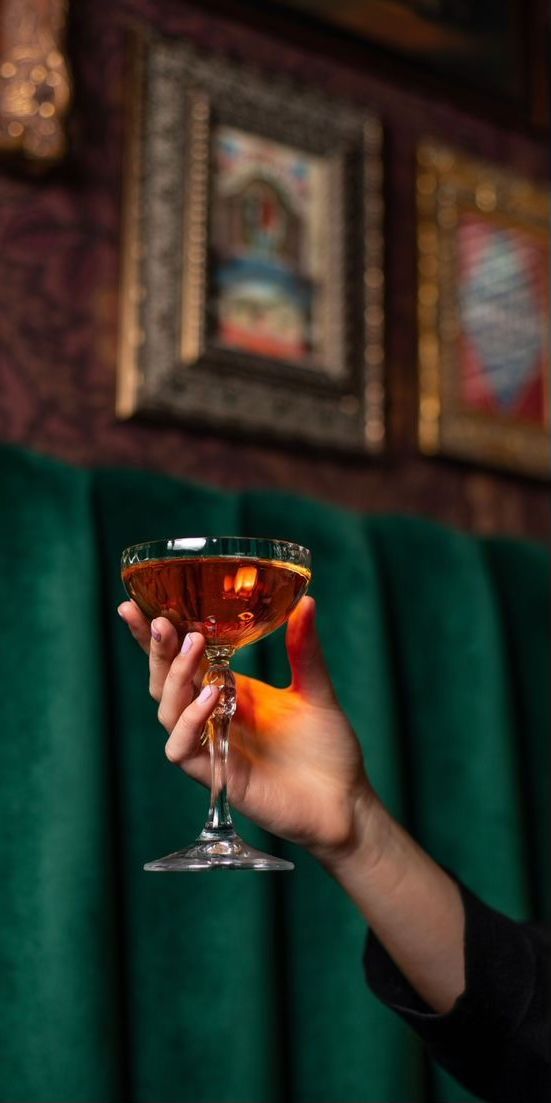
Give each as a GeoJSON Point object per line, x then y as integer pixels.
{"type": "Point", "coordinates": [60, 242]}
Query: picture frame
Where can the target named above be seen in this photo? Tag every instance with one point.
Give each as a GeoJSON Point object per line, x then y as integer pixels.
{"type": "Point", "coordinates": [483, 312]}
{"type": "Point", "coordinates": [252, 296]}
{"type": "Point", "coordinates": [479, 46]}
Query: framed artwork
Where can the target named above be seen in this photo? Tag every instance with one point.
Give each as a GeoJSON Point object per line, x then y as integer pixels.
{"type": "Point", "coordinates": [271, 291]}
{"type": "Point", "coordinates": [483, 312]}
{"type": "Point", "coordinates": [252, 294]}
{"type": "Point", "coordinates": [481, 44]}
{"type": "Point", "coordinates": [34, 79]}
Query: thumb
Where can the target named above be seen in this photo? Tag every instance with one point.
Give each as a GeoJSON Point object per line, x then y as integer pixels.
{"type": "Point", "coordinates": [310, 674]}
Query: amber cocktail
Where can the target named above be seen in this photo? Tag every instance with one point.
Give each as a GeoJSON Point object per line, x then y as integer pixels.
{"type": "Point", "coordinates": [234, 590]}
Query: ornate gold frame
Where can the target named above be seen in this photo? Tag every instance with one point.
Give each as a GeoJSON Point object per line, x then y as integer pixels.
{"type": "Point", "coordinates": [448, 183]}
{"type": "Point", "coordinates": [34, 79]}
{"type": "Point", "coordinates": [168, 363]}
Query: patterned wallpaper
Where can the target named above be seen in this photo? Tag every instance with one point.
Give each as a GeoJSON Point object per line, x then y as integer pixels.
{"type": "Point", "coordinates": [59, 258]}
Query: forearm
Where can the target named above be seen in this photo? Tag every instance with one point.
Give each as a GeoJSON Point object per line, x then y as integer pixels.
{"type": "Point", "coordinates": [411, 904]}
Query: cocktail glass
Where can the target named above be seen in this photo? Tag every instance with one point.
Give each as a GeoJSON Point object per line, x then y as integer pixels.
{"type": "Point", "coordinates": [233, 590]}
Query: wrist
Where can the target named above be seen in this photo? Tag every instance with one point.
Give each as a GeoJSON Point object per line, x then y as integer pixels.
{"type": "Point", "coordinates": [366, 842]}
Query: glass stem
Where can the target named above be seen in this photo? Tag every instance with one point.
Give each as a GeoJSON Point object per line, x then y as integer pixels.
{"type": "Point", "coordinates": [219, 821]}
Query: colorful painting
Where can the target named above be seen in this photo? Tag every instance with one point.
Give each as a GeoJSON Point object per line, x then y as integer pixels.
{"type": "Point", "coordinates": [483, 312]}
{"type": "Point", "coordinates": [268, 246]}
{"type": "Point", "coordinates": [504, 307]}
{"type": "Point", "coordinates": [253, 269]}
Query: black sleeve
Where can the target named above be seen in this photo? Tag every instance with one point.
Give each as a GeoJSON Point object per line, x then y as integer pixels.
{"type": "Point", "coordinates": [496, 1040]}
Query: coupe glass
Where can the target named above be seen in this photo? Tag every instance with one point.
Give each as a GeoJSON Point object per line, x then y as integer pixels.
{"type": "Point", "coordinates": [233, 590]}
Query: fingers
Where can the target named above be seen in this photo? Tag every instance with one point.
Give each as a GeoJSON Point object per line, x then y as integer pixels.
{"type": "Point", "coordinates": [310, 674]}
{"type": "Point", "coordinates": [138, 624]}
{"type": "Point", "coordinates": [178, 686]}
{"type": "Point", "coordinates": [184, 743]}
{"type": "Point", "coordinates": [174, 677]}
{"type": "Point", "coordinates": [164, 647]}
{"type": "Point", "coordinates": [159, 640]}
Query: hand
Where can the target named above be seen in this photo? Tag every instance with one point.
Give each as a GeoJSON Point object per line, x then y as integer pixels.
{"type": "Point", "coordinates": [295, 765]}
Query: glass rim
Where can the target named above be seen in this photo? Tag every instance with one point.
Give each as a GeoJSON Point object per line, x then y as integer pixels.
{"type": "Point", "coordinates": [183, 545]}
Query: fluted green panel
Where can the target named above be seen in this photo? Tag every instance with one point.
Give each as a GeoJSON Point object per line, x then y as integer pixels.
{"type": "Point", "coordinates": [456, 710]}
{"type": "Point", "coordinates": [520, 573]}
{"type": "Point", "coordinates": [59, 1038]}
{"type": "Point", "coordinates": [324, 932]}
{"type": "Point", "coordinates": [239, 987]}
{"type": "Point", "coordinates": [202, 1002]}
{"type": "Point", "coordinates": [456, 713]}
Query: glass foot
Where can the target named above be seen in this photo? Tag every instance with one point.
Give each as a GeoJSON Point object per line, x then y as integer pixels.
{"type": "Point", "coordinates": [217, 853]}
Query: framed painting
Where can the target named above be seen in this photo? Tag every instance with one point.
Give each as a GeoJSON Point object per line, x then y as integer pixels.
{"type": "Point", "coordinates": [34, 79]}
{"type": "Point", "coordinates": [271, 293]}
{"type": "Point", "coordinates": [483, 312]}
{"type": "Point", "coordinates": [252, 294]}
{"type": "Point", "coordinates": [481, 44]}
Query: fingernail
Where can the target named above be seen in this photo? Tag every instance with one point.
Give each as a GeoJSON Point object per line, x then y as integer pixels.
{"type": "Point", "coordinates": [205, 693]}
{"type": "Point", "coordinates": [120, 612]}
{"type": "Point", "coordinates": [155, 632]}
{"type": "Point", "coordinates": [187, 644]}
